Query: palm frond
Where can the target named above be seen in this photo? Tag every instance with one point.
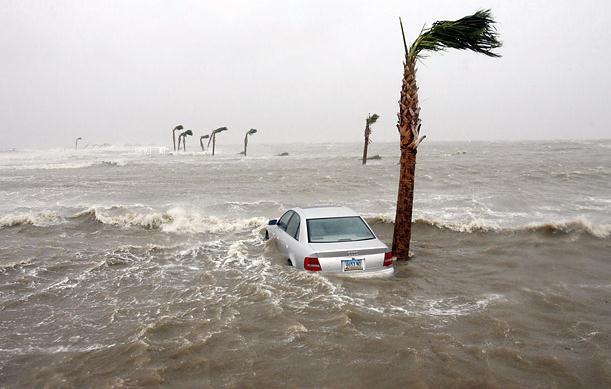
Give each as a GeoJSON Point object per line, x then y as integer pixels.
{"type": "Point", "coordinates": [251, 131]}
{"type": "Point", "coordinates": [178, 127]}
{"type": "Point", "coordinates": [476, 32]}
{"type": "Point", "coordinates": [188, 132]}
{"type": "Point", "coordinates": [371, 119]}
{"type": "Point", "coordinates": [204, 136]}
{"type": "Point", "coordinates": [220, 129]}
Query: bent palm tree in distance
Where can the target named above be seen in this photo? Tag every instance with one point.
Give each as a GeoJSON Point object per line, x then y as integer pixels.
{"type": "Point", "coordinates": [177, 128]}
{"type": "Point", "coordinates": [477, 33]}
{"type": "Point", "coordinates": [201, 141]}
{"type": "Point", "coordinates": [213, 137]}
{"type": "Point", "coordinates": [371, 119]}
{"type": "Point", "coordinates": [249, 132]}
{"type": "Point", "coordinates": [183, 136]}
{"type": "Point", "coordinates": [76, 143]}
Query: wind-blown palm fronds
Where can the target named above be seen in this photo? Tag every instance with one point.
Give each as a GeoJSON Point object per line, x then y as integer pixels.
{"type": "Point", "coordinates": [249, 132]}
{"type": "Point", "coordinates": [201, 141]}
{"type": "Point", "coordinates": [76, 143]}
{"type": "Point", "coordinates": [213, 137]}
{"type": "Point", "coordinates": [183, 136]}
{"type": "Point", "coordinates": [371, 119]}
{"type": "Point", "coordinates": [177, 128]}
{"type": "Point", "coordinates": [477, 33]}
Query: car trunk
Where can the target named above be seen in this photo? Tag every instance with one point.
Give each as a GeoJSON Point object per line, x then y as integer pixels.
{"type": "Point", "coordinates": [331, 255]}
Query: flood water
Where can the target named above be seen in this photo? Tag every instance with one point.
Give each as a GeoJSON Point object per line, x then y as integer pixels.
{"type": "Point", "coordinates": [120, 268]}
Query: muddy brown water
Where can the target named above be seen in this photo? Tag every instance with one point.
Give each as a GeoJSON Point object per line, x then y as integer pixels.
{"type": "Point", "coordinates": [127, 274]}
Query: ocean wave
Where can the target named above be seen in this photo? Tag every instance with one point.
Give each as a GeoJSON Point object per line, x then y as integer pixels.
{"type": "Point", "coordinates": [67, 165]}
{"type": "Point", "coordinates": [578, 225]}
{"type": "Point", "coordinates": [180, 220]}
{"type": "Point", "coordinates": [39, 219]}
{"type": "Point", "coordinates": [173, 220]}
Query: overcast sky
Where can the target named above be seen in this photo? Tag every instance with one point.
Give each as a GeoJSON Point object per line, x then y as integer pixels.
{"type": "Point", "coordinates": [129, 71]}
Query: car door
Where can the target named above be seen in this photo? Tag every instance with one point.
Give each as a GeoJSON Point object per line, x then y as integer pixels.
{"type": "Point", "coordinates": [292, 237]}
{"type": "Point", "coordinates": [282, 237]}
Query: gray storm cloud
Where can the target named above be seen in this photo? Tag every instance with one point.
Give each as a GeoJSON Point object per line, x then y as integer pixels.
{"type": "Point", "coordinates": [128, 72]}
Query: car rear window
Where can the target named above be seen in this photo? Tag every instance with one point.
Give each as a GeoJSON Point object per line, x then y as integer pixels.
{"type": "Point", "coordinates": [338, 229]}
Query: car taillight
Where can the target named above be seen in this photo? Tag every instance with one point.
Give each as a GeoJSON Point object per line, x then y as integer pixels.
{"type": "Point", "coordinates": [388, 258]}
{"type": "Point", "coordinates": [311, 264]}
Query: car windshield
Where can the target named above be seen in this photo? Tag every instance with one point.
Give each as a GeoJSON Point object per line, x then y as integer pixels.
{"type": "Point", "coordinates": [338, 229]}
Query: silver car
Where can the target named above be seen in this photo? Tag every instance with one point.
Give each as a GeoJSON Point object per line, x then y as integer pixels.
{"type": "Point", "coordinates": [331, 240]}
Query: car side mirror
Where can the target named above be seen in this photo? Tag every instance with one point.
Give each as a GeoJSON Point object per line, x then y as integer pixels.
{"type": "Point", "coordinates": [272, 222]}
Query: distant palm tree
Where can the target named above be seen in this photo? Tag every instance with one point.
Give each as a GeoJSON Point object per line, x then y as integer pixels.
{"type": "Point", "coordinates": [213, 137]}
{"type": "Point", "coordinates": [183, 136]}
{"type": "Point", "coordinates": [201, 139]}
{"type": "Point", "coordinates": [177, 128]}
{"type": "Point", "coordinates": [477, 33]}
{"type": "Point", "coordinates": [249, 132]}
{"type": "Point", "coordinates": [371, 119]}
{"type": "Point", "coordinates": [76, 143]}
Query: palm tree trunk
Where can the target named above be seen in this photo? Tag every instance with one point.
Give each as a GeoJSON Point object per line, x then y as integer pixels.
{"type": "Point", "coordinates": [409, 113]}
{"type": "Point", "coordinates": [201, 143]}
{"type": "Point", "coordinates": [405, 199]}
{"type": "Point", "coordinates": [174, 139]}
{"type": "Point", "coordinates": [245, 144]}
{"type": "Point", "coordinates": [179, 140]}
{"type": "Point", "coordinates": [184, 143]}
{"type": "Point", "coordinates": [213, 143]}
{"type": "Point", "coordinates": [366, 143]}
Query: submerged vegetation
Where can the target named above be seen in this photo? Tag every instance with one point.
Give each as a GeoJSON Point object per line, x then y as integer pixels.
{"type": "Point", "coordinates": [371, 119]}
{"type": "Point", "coordinates": [201, 141]}
{"type": "Point", "coordinates": [213, 137]}
{"type": "Point", "coordinates": [177, 128]}
{"type": "Point", "coordinates": [252, 131]}
{"type": "Point", "coordinates": [477, 33]}
{"type": "Point", "coordinates": [183, 136]}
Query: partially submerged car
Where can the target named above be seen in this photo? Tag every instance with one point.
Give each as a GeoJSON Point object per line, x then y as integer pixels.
{"type": "Point", "coordinates": [331, 240]}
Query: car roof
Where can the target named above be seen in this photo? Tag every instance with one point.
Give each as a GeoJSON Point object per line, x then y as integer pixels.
{"type": "Point", "coordinates": [326, 211]}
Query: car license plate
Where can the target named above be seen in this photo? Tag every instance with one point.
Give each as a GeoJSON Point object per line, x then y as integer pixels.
{"type": "Point", "coordinates": [352, 264]}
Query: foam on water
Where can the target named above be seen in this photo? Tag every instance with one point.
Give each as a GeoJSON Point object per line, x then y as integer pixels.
{"type": "Point", "coordinates": [153, 269]}
{"type": "Point", "coordinates": [39, 219]}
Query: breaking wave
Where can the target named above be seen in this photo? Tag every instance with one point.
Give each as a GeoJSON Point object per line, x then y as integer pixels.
{"type": "Point", "coordinates": [67, 165]}
{"type": "Point", "coordinates": [180, 220]}
{"type": "Point", "coordinates": [173, 220]}
{"type": "Point", "coordinates": [578, 225]}
{"type": "Point", "coordinates": [39, 219]}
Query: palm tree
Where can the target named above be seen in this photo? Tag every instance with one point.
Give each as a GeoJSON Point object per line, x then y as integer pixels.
{"type": "Point", "coordinates": [201, 139]}
{"type": "Point", "coordinates": [183, 136]}
{"type": "Point", "coordinates": [477, 33]}
{"type": "Point", "coordinates": [249, 132]}
{"type": "Point", "coordinates": [213, 137]}
{"type": "Point", "coordinates": [371, 119]}
{"type": "Point", "coordinates": [76, 143]}
{"type": "Point", "coordinates": [177, 128]}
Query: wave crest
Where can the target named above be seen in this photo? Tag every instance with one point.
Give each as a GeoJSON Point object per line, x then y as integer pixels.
{"type": "Point", "coordinates": [173, 220]}
{"type": "Point", "coordinates": [578, 225]}
{"type": "Point", "coordinates": [39, 219]}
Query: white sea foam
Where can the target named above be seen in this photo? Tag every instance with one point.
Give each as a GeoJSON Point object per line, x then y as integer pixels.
{"type": "Point", "coordinates": [174, 219]}
{"type": "Point", "coordinates": [575, 225]}
{"type": "Point", "coordinates": [39, 219]}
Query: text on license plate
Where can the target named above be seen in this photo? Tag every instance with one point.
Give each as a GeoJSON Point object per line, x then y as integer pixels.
{"type": "Point", "coordinates": [352, 264]}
